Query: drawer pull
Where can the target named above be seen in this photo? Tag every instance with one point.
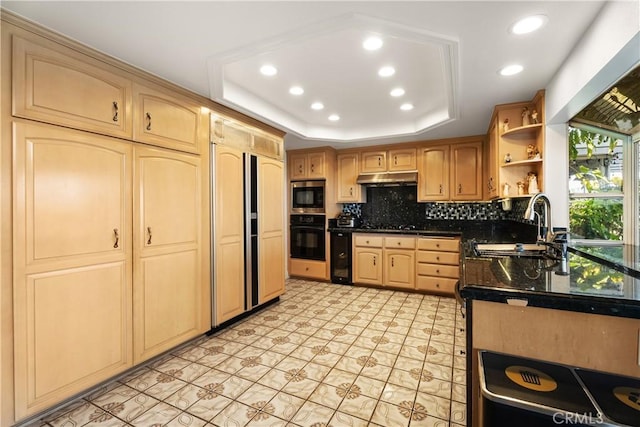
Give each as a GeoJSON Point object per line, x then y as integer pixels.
{"type": "Point", "coordinates": [399, 243]}
{"type": "Point", "coordinates": [437, 258]}
{"type": "Point", "coordinates": [437, 285]}
{"type": "Point", "coordinates": [367, 242]}
{"type": "Point", "coordinates": [438, 271]}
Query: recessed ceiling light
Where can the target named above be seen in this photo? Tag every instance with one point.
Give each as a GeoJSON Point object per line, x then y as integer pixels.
{"type": "Point", "coordinates": [372, 43]}
{"type": "Point", "coordinates": [397, 92]}
{"type": "Point", "coordinates": [386, 71]}
{"type": "Point", "coordinates": [528, 24]}
{"type": "Point", "coordinates": [406, 107]}
{"type": "Point", "coordinates": [296, 90]}
{"type": "Point", "coordinates": [510, 70]}
{"type": "Point", "coordinates": [334, 117]}
{"type": "Point", "coordinates": [268, 70]}
{"type": "Point", "coordinates": [317, 106]}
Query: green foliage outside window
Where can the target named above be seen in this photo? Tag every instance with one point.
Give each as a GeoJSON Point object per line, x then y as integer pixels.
{"type": "Point", "coordinates": [594, 218]}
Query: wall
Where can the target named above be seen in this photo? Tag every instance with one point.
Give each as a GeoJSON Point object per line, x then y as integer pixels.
{"type": "Point", "coordinates": [606, 52]}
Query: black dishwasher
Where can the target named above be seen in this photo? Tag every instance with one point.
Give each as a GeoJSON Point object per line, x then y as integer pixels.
{"type": "Point", "coordinates": [340, 242]}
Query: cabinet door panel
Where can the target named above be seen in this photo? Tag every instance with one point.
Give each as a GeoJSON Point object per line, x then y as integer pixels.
{"type": "Point", "coordinates": [167, 121]}
{"type": "Point", "coordinates": [348, 190]}
{"type": "Point", "coordinates": [467, 172]}
{"type": "Point", "coordinates": [170, 290]}
{"type": "Point", "coordinates": [270, 228]}
{"type": "Point", "coordinates": [399, 269]}
{"type": "Point", "coordinates": [168, 286]}
{"type": "Point", "coordinates": [57, 87]}
{"type": "Point", "coordinates": [368, 266]}
{"type": "Point", "coordinates": [434, 174]}
{"type": "Point", "coordinates": [72, 195]}
{"type": "Point", "coordinates": [228, 234]}
{"type": "Point", "coordinates": [372, 162]}
{"type": "Point", "coordinates": [72, 330]}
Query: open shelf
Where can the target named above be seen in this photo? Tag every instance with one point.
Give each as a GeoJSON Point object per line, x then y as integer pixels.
{"type": "Point", "coordinates": [521, 162]}
{"type": "Point", "coordinates": [523, 132]}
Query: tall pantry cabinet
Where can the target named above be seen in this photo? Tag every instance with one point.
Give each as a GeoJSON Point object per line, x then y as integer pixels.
{"type": "Point", "coordinates": [105, 249]}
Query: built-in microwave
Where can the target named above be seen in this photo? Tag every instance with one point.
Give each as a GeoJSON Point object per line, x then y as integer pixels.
{"type": "Point", "coordinates": [307, 196]}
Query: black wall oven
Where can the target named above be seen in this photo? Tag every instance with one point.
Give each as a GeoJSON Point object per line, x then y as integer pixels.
{"type": "Point", "coordinates": [307, 196]}
{"type": "Point", "coordinates": [307, 236]}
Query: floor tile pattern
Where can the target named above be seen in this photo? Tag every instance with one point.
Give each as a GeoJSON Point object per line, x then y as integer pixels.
{"type": "Point", "coordinates": [325, 355]}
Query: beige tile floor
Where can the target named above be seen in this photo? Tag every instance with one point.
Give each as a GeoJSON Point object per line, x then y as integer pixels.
{"type": "Point", "coordinates": [325, 355]}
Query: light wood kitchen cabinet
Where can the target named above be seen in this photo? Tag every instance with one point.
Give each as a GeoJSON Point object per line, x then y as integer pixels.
{"type": "Point", "coordinates": [309, 268]}
{"type": "Point", "coordinates": [228, 233]}
{"type": "Point", "coordinates": [518, 143]}
{"type": "Point", "coordinates": [402, 159]}
{"type": "Point", "coordinates": [433, 180]}
{"type": "Point", "coordinates": [399, 268]}
{"type": "Point", "coordinates": [396, 160]}
{"type": "Point", "coordinates": [57, 85]}
{"type": "Point", "coordinates": [451, 171]}
{"type": "Point", "coordinates": [373, 161]}
{"type": "Point", "coordinates": [368, 265]}
{"type": "Point", "coordinates": [230, 132]}
{"type": "Point", "coordinates": [349, 191]}
{"type": "Point", "coordinates": [466, 171]}
{"type": "Point", "coordinates": [437, 264]}
{"type": "Point", "coordinates": [309, 165]}
{"type": "Point", "coordinates": [169, 121]}
{"type": "Point", "coordinates": [72, 263]}
{"type": "Point", "coordinates": [169, 293]}
{"type": "Point", "coordinates": [271, 244]}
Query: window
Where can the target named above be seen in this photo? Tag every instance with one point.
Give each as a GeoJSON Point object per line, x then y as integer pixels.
{"type": "Point", "coordinates": [600, 161]}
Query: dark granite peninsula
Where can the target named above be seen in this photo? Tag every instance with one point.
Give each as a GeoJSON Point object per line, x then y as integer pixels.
{"type": "Point", "coordinates": [588, 318]}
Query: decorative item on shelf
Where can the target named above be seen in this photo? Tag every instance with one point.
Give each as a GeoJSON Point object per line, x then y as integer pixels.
{"type": "Point", "coordinates": [520, 188]}
{"type": "Point", "coordinates": [507, 158]}
{"type": "Point", "coordinates": [534, 117]}
{"type": "Point", "coordinates": [532, 152]}
{"type": "Point", "coordinates": [532, 179]}
{"type": "Point", "coordinates": [505, 189]}
{"type": "Point", "coordinates": [505, 125]}
{"type": "Point", "coordinates": [526, 117]}
{"type": "Point", "coordinates": [506, 204]}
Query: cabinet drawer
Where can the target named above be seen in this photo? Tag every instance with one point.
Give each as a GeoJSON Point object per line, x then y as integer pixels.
{"type": "Point", "coordinates": [305, 268]}
{"type": "Point", "coordinates": [436, 284]}
{"type": "Point", "coordinates": [431, 257]}
{"type": "Point", "coordinates": [399, 243]}
{"type": "Point", "coordinates": [438, 270]}
{"type": "Point", "coordinates": [439, 244]}
{"type": "Point", "coordinates": [368, 241]}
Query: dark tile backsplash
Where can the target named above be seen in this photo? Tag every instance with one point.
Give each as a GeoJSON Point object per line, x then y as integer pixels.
{"type": "Point", "coordinates": [480, 220]}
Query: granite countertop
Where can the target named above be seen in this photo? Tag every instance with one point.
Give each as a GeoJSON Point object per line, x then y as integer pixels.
{"type": "Point", "coordinates": [590, 286]}
{"type": "Point", "coordinates": [624, 258]}
{"type": "Point", "coordinates": [409, 232]}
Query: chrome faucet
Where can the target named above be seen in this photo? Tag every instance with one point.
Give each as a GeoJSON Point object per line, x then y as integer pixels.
{"type": "Point", "coordinates": [530, 215]}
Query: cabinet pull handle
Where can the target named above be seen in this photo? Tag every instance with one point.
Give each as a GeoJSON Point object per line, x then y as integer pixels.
{"type": "Point", "coordinates": [379, 161]}
{"type": "Point", "coordinates": [300, 169]}
{"type": "Point", "coordinates": [438, 271]}
{"type": "Point", "coordinates": [437, 258]}
{"type": "Point", "coordinates": [459, 188]}
{"type": "Point", "coordinates": [117, 236]}
{"type": "Point", "coordinates": [351, 191]}
{"type": "Point", "coordinates": [374, 260]}
{"type": "Point", "coordinates": [115, 111]}
{"type": "Point", "coordinates": [440, 188]}
{"type": "Point", "coordinates": [149, 231]}
{"type": "Point", "coordinates": [391, 261]}
{"type": "Point", "coordinates": [148, 121]}
{"type": "Point", "coordinates": [395, 160]}
{"type": "Point", "coordinates": [312, 167]}
{"type": "Point", "coordinates": [490, 184]}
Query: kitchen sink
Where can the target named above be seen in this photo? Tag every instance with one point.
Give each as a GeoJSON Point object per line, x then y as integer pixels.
{"type": "Point", "coordinates": [510, 249]}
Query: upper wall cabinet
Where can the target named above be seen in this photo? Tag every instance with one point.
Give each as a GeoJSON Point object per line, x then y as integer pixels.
{"type": "Point", "coordinates": [349, 191]}
{"type": "Point", "coordinates": [451, 172]}
{"type": "Point", "coordinates": [515, 149]}
{"type": "Point", "coordinates": [168, 120]}
{"type": "Point", "coordinates": [388, 161]}
{"type": "Point", "coordinates": [309, 165]}
{"type": "Point", "coordinates": [54, 84]}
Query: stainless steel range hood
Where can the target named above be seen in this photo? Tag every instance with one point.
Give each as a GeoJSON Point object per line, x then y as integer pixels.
{"type": "Point", "coordinates": [388, 179]}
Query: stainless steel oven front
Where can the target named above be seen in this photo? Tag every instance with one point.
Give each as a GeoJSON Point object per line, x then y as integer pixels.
{"type": "Point", "coordinates": [307, 196]}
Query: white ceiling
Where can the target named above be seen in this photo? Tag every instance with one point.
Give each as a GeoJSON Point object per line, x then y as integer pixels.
{"type": "Point", "coordinates": [446, 53]}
